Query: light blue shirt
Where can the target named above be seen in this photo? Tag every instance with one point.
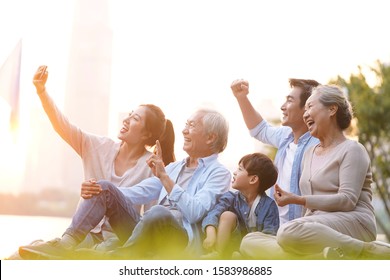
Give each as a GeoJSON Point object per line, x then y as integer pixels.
{"type": "Point", "coordinates": [280, 137]}
{"type": "Point", "coordinates": [210, 180]}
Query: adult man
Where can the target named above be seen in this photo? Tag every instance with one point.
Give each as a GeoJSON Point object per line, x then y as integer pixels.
{"type": "Point", "coordinates": [291, 139]}
{"type": "Point", "coordinates": [186, 190]}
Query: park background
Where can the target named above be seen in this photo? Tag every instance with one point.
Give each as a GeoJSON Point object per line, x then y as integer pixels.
{"type": "Point", "coordinates": [106, 57]}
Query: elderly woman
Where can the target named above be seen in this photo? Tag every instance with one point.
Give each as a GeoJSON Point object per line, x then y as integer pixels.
{"type": "Point", "coordinates": [336, 192]}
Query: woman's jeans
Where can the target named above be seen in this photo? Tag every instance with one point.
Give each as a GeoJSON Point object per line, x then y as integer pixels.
{"type": "Point", "coordinates": [156, 233]}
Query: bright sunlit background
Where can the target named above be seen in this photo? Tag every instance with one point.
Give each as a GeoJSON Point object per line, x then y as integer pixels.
{"type": "Point", "coordinates": [184, 54]}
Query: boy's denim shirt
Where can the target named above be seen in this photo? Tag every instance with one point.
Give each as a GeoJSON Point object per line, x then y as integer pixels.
{"type": "Point", "coordinates": [266, 211]}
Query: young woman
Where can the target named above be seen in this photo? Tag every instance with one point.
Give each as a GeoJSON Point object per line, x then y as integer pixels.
{"type": "Point", "coordinates": [121, 162]}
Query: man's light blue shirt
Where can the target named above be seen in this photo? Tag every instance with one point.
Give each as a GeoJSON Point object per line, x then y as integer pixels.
{"type": "Point", "coordinates": [280, 137]}
{"type": "Point", "coordinates": [210, 180]}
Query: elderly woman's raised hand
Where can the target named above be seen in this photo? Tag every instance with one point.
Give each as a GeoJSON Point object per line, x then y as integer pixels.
{"type": "Point", "coordinates": [283, 198]}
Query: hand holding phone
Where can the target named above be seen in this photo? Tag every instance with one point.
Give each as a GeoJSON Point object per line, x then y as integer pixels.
{"type": "Point", "coordinates": [40, 78]}
{"type": "Point", "coordinates": [43, 71]}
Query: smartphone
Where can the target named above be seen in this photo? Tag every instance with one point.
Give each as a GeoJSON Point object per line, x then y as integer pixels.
{"type": "Point", "coordinates": [43, 72]}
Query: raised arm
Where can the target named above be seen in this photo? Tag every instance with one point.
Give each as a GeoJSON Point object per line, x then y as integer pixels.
{"type": "Point", "coordinates": [70, 133]}
{"type": "Point", "coordinates": [240, 89]}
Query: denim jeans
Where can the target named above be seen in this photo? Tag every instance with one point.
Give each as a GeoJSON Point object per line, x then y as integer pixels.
{"type": "Point", "coordinates": [157, 233]}
{"type": "Point", "coordinates": [112, 203]}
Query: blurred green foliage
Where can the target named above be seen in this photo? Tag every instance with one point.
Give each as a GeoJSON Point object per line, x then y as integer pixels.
{"type": "Point", "coordinates": [369, 93]}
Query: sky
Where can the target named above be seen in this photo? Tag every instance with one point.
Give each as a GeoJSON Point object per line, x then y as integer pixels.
{"type": "Point", "coordinates": [185, 54]}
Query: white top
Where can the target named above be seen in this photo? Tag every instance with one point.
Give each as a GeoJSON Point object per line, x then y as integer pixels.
{"type": "Point", "coordinates": [285, 179]}
{"type": "Point", "coordinates": [97, 153]}
{"type": "Point", "coordinates": [252, 219]}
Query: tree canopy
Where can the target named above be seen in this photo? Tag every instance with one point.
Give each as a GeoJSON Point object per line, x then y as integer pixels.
{"type": "Point", "coordinates": [371, 105]}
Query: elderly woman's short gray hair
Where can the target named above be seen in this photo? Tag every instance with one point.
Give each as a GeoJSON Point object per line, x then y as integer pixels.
{"type": "Point", "coordinates": [333, 95]}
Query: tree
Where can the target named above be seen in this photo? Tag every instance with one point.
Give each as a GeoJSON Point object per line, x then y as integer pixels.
{"type": "Point", "coordinates": [371, 106]}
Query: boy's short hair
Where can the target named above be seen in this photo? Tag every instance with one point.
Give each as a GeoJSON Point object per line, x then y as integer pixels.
{"type": "Point", "coordinates": [263, 167]}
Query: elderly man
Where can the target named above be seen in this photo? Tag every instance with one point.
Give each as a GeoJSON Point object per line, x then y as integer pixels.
{"type": "Point", "coordinates": [186, 190]}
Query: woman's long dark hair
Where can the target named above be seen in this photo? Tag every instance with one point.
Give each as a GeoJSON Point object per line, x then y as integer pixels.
{"type": "Point", "coordinates": [161, 129]}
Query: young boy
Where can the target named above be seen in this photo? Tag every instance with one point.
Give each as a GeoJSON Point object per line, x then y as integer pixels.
{"type": "Point", "coordinates": [246, 210]}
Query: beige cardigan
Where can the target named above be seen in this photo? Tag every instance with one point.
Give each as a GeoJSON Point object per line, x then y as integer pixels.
{"type": "Point", "coordinates": [341, 186]}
